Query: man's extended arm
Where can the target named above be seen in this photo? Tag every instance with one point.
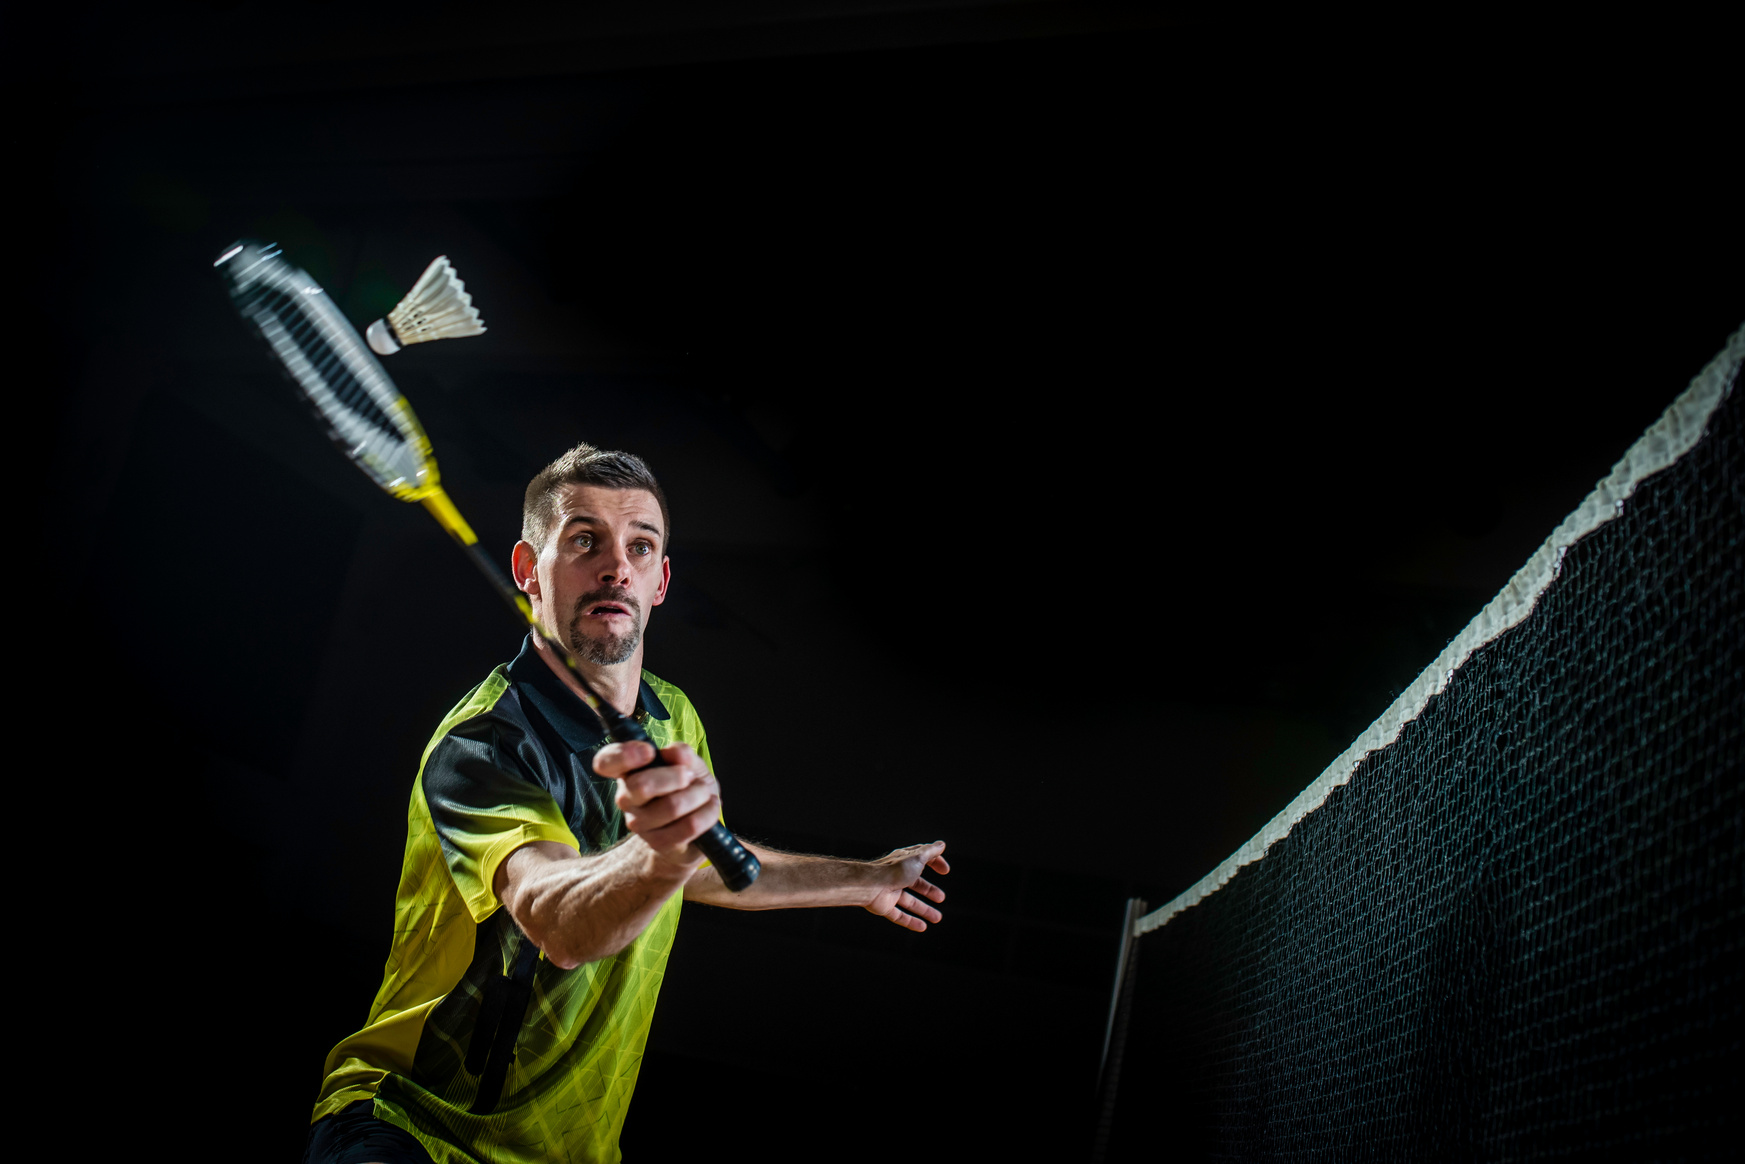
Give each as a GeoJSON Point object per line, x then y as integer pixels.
{"type": "Point", "coordinates": [892, 886]}
{"type": "Point", "coordinates": [582, 908]}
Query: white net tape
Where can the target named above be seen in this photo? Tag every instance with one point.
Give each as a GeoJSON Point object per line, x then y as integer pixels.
{"type": "Point", "coordinates": [1669, 438]}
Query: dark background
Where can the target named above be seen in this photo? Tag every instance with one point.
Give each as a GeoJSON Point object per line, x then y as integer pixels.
{"type": "Point", "coordinates": [1080, 421]}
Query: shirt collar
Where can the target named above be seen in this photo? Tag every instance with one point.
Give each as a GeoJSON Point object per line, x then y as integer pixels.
{"type": "Point", "coordinates": [574, 720]}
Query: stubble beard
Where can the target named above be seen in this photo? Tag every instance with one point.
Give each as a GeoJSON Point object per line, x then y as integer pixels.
{"type": "Point", "coordinates": [612, 650]}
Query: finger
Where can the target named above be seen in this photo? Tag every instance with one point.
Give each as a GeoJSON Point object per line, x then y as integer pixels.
{"type": "Point", "coordinates": [619, 760]}
{"type": "Point", "coordinates": [904, 920]}
{"type": "Point", "coordinates": [681, 756]}
{"type": "Point", "coordinates": [641, 787]}
{"type": "Point", "coordinates": [677, 836]}
{"type": "Point", "coordinates": [928, 889]}
{"type": "Point", "coordinates": [909, 903]}
{"type": "Point", "coordinates": [931, 856]}
{"type": "Point", "coordinates": [664, 810]}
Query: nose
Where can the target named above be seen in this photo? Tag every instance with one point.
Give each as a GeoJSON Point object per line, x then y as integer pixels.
{"type": "Point", "coordinates": [616, 567]}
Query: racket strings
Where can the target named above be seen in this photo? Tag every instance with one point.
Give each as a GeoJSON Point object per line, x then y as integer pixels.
{"type": "Point", "coordinates": [336, 374]}
{"type": "Point", "coordinates": [361, 409]}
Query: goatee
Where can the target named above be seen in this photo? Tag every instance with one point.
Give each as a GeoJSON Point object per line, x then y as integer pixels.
{"type": "Point", "coordinates": [604, 652]}
{"type": "Point", "coordinates": [614, 649]}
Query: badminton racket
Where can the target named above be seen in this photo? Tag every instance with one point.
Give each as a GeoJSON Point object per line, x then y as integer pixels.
{"type": "Point", "coordinates": [367, 417]}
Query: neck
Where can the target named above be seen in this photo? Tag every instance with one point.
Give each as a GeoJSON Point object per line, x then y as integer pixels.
{"type": "Point", "coordinates": [620, 684]}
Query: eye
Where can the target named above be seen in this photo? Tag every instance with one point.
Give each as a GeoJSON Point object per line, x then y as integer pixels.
{"type": "Point", "coordinates": [584, 541]}
{"type": "Point", "coordinates": [641, 549]}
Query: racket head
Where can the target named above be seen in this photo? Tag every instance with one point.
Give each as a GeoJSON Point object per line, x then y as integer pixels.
{"type": "Point", "coordinates": [332, 368]}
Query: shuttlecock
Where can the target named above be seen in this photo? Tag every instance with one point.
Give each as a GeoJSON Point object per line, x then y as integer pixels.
{"type": "Point", "coordinates": [437, 307]}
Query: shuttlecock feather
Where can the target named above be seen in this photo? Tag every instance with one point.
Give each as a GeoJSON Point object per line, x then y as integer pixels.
{"type": "Point", "coordinates": [437, 307]}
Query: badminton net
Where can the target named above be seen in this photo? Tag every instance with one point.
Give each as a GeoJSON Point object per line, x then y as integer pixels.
{"type": "Point", "coordinates": [1509, 921]}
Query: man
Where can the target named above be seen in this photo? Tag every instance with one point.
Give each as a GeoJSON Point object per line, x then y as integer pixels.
{"type": "Point", "coordinates": [545, 867]}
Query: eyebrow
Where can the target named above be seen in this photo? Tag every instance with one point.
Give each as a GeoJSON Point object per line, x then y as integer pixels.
{"type": "Point", "coordinates": [590, 519]}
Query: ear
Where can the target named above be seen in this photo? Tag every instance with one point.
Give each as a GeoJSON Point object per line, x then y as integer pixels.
{"type": "Point", "coordinates": [524, 564]}
{"type": "Point", "coordinates": [666, 579]}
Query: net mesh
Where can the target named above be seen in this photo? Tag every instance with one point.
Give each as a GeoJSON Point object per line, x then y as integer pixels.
{"type": "Point", "coordinates": [1516, 932]}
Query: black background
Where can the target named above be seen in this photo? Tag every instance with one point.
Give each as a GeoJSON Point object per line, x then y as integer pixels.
{"type": "Point", "coordinates": [1079, 421]}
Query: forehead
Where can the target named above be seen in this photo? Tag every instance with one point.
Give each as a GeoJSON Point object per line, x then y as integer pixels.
{"type": "Point", "coordinates": [597, 504]}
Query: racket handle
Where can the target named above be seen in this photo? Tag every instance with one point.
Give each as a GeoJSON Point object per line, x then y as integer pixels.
{"type": "Point", "coordinates": [737, 864]}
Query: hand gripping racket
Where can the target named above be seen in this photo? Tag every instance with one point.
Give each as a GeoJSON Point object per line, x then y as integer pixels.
{"type": "Point", "coordinates": [371, 421]}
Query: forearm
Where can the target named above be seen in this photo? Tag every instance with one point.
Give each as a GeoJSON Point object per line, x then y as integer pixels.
{"type": "Point", "coordinates": [581, 909]}
{"type": "Point", "coordinates": [790, 881]}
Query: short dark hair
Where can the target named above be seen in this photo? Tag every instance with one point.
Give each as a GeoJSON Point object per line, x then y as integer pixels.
{"type": "Point", "coordinates": [585, 465]}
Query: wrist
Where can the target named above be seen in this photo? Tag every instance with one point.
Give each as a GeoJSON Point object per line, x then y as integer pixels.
{"type": "Point", "coordinates": [871, 879]}
{"type": "Point", "coordinates": [666, 868]}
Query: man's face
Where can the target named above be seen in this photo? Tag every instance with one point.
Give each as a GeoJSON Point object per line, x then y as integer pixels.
{"type": "Point", "coordinates": [602, 571]}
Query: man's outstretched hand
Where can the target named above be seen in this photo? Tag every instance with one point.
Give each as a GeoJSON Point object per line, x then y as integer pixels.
{"type": "Point", "coordinates": [902, 901]}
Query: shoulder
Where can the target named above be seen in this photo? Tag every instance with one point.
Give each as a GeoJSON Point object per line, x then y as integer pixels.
{"type": "Point", "coordinates": [687, 725]}
{"type": "Point", "coordinates": [487, 718]}
{"type": "Point", "coordinates": [486, 758]}
{"type": "Point", "coordinates": [492, 698]}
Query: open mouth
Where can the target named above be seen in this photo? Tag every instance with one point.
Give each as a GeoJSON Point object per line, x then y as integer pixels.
{"type": "Point", "coordinates": [605, 605]}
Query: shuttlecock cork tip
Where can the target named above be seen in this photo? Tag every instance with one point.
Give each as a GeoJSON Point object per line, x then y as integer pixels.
{"type": "Point", "coordinates": [381, 338]}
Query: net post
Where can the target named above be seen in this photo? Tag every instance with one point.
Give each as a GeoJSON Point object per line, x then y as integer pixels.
{"type": "Point", "coordinates": [1115, 1031]}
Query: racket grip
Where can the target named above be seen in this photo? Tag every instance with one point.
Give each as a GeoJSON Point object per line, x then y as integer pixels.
{"type": "Point", "coordinates": [737, 865]}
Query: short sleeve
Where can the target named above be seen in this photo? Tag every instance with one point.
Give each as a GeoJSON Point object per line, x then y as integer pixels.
{"type": "Point", "coordinates": [485, 804]}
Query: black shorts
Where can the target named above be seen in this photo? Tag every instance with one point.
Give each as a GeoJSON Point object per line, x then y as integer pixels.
{"type": "Point", "coordinates": [353, 1135]}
